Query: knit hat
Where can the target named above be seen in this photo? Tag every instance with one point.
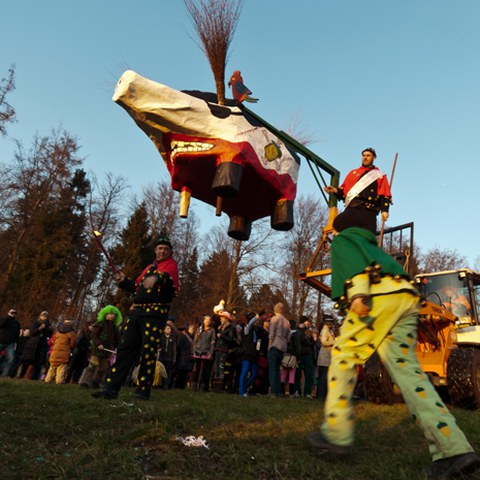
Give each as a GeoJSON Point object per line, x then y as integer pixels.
{"type": "Point", "coordinates": [110, 309]}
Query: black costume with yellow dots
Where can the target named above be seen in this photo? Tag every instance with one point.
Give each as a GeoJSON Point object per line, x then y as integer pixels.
{"type": "Point", "coordinates": [141, 337]}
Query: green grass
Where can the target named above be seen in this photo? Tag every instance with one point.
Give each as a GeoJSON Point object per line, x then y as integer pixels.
{"type": "Point", "coordinates": [61, 432]}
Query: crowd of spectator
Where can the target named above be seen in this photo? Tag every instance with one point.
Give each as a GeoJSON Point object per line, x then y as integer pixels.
{"type": "Point", "coordinates": [250, 354]}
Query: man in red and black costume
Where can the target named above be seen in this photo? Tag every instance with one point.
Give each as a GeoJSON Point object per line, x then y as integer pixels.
{"type": "Point", "coordinates": [365, 192]}
{"type": "Point", "coordinates": [153, 291]}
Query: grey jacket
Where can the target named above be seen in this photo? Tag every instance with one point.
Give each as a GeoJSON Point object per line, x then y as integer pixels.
{"type": "Point", "coordinates": [279, 333]}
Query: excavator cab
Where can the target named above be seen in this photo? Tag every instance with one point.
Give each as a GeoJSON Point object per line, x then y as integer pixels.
{"type": "Point", "coordinates": [456, 290]}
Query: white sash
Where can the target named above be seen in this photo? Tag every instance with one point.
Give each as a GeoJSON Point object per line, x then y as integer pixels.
{"type": "Point", "coordinates": [362, 184]}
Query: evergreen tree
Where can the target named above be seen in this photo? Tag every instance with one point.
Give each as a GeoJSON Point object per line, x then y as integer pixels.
{"type": "Point", "coordinates": [213, 281]}
{"type": "Point", "coordinates": [43, 237]}
{"type": "Point", "coordinates": [185, 306]}
{"type": "Point", "coordinates": [133, 253]}
{"type": "Point", "coordinates": [262, 298]}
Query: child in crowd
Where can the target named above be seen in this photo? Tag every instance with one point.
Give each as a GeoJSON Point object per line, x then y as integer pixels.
{"type": "Point", "coordinates": [105, 338]}
{"type": "Point", "coordinates": [62, 345]}
{"type": "Point", "coordinates": [168, 353]}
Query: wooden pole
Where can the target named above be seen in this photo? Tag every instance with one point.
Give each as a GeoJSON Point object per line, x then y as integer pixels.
{"type": "Point", "coordinates": [218, 207]}
{"type": "Point", "coordinates": [380, 238]}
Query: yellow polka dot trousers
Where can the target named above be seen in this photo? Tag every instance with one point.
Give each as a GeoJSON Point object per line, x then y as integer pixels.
{"type": "Point", "coordinates": [390, 329]}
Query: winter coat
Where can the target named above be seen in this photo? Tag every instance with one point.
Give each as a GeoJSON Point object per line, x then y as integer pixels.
{"type": "Point", "coordinates": [79, 358]}
{"type": "Point", "coordinates": [168, 348]}
{"type": "Point", "coordinates": [9, 330]}
{"type": "Point", "coordinates": [293, 345]}
{"type": "Point", "coordinates": [106, 334]}
{"type": "Point", "coordinates": [204, 342]}
{"type": "Point", "coordinates": [262, 337]}
{"type": "Point", "coordinates": [307, 345]}
{"type": "Point", "coordinates": [62, 345]}
{"type": "Point", "coordinates": [35, 351]}
{"type": "Point", "coordinates": [327, 339]}
{"type": "Point", "coordinates": [279, 333]}
{"type": "Point", "coordinates": [226, 338]}
{"type": "Point", "coordinates": [184, 352]}
{"type": "Point", "coordinates": [22, 342]}
{"type": "Point", "coordinates": [249, 341]}
{"type": "Point", "coordinates": [82, 345]}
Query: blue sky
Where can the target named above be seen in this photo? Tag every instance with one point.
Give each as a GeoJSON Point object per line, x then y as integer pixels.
{"type": "Point", "coordinates": [399, 76]}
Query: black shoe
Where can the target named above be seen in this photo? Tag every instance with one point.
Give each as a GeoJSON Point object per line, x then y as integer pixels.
{"type": "Point", "coordinates": [317, 440]}
{"type": "Point", "coordinates": [105, 394]}
{"type": "Point", "coordinates": [453, 466]}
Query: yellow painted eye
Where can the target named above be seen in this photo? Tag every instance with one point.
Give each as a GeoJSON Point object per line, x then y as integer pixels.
{"type": "Point", "coordinates": [272, 151]}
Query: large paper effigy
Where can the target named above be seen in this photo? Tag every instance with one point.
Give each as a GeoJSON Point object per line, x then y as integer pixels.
{"type": "Point", "coordinates": [215, 152]}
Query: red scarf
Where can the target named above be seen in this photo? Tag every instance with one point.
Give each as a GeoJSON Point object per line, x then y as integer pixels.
{"type": "Point", "coordinates": [166, 266]}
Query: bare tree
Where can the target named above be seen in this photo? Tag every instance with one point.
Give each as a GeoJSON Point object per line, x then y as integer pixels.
{"type": "Point", "coordinates": [7, 112]}
{"type": "Point", "coordinates": [298, 249]}
{"type": "Point", "coordinates": [161, 203]}
{"type": "Point", "coordinates": [215, 22]}
{"type": "Point", "coordinates": [476, 264]}
{"type": "Point", "coordinates": [436, 260]}
{"type": "Point", "coordinates": [297, 129]}
{"type": "Point", "coordinates": [249, 262]}
{"type": "Point", "coordinates": [104, 216]}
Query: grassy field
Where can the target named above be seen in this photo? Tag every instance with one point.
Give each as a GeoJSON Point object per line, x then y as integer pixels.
{"type": "Point", "coordinates": [61, 432]}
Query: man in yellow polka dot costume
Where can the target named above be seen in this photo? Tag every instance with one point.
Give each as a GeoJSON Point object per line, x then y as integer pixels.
{"type": "Point", "coordinates": [382, 316]}
{"type": "Point", "coordinates": [153, 292]}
